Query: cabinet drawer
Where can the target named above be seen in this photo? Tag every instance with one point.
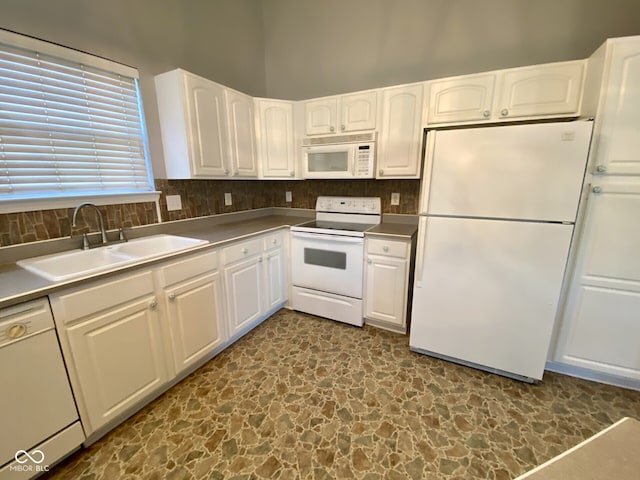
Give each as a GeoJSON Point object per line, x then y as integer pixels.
{"type": "Point", "coordinates": [391, 248]}
{"type": "Point", "coordinates": [188, 267]}
{"type": "Point", "coordinates": [241, 250]}
{"type": "Point", "coordinates": [273, 240]}
{"type": "Point", "coordinates": [97, 296]}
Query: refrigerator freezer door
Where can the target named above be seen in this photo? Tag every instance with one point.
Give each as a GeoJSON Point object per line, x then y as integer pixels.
{"type": "Point", "coordinates": [531, 172]}
{"type": "Point", "coordinates": [488, 291]}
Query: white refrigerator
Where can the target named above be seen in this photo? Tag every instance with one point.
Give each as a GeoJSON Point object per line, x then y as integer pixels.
{"type": "Point", "coordinates": [497, 212]}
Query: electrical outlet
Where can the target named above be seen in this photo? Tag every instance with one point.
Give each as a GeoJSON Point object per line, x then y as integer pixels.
{"type": "Point", "coordinates": [395, 199]}
{"type": "Point", "coordinates": [174, 202]}
{"type": "Point", "coordinates": [287, 196]}
{"type": "Point", "coordinates": [227, 199]}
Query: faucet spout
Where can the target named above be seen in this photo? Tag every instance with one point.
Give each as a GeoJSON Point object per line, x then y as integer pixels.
{"type": "Point", "coordinates": [103, 232]}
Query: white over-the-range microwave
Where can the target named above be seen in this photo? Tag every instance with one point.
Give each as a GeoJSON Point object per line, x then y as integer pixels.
{"type": "Point", "coordinates": [339, 156]}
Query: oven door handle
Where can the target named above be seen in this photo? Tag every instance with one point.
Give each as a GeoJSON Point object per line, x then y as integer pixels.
{"type": "Point", "coordinates": [327, 237]}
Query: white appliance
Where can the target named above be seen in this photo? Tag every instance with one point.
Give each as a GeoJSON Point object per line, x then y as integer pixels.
{"type": "Point", "coordinates": [39, 422]}
{"type": "Point", "coordinates": [497, 213]}
{"type": "Point", "coordinates": [339, 157]}
{"type": "Point", "coordinates": [327, 258]}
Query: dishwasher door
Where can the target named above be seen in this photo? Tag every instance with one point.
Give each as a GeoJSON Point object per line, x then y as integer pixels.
{"type": "Point", "coordinates": [36, 401]}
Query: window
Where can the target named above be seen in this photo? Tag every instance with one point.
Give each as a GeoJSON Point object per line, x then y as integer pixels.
{"type": "Point", "coordinates": [71, 129]}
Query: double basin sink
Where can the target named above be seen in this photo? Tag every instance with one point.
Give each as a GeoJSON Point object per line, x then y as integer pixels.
{"type": "Point", "coordinates": [77, 263]}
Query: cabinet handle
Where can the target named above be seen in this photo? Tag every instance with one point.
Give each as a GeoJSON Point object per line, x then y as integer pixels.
{"type": "Point", "coordinates": [601, 169]}
{"type": "Point", "coordinates": [172, 297]}
{"type": "Point", "coordinates": [385, 249]}
{"type": "Point", "coordinates": [153, 304]}
{"type": "Point", "coordinates": [504, 112]}
{"type": "Point", "coordinates": [245, 250]}
{"type": "Point", "coordinates": [596, 189]}
{"type": "Point", "coordinates": [381, 171]}
{"type": "Point", "coordinates": [487, 113]}
{"type": "Point", "coordinates": [332, 129]}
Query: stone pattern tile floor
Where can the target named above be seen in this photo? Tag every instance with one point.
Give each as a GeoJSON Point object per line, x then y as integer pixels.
{"type": "Point", "coordinates": [302, 397]}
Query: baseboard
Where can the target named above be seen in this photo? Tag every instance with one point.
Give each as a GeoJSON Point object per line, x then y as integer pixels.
{"type": "Point", "coordinates": [587, 374]}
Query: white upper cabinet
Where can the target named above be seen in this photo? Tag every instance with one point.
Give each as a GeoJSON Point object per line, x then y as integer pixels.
{"type": "Point", "coordinates": [193, 124]}
{"type": "Point", "coordinates": [207, 129]}
{"type": "Point", "coordinates": [242, 135]}
{"type": "Point", "coordinates": [541, 90]}
{"type": "Point", "coordinates": [276, 138]}
{"type": "Point", "coordinates": [461, 99]}
{"type": "Point", "coordinates": [614, 78]}
{"type": "Point", "coordinates": [549, 90]}
{"type": "Point", "coordinates": [341, 114]}
{"type": "Point", "coordinates": [400, 132]}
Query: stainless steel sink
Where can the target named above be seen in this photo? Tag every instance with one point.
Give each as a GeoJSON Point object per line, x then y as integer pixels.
{"type": "Point", "coordinates": [77, 263]}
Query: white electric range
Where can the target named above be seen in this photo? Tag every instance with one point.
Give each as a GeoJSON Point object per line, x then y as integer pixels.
{"type": "Point", "coordinates": [327, 258]}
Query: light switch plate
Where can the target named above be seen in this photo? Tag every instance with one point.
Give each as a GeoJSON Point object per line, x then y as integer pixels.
{"type": "Point", "coordinates": [174, 202]}
{"type": "Point", "coordinates": [287, 196]}
{"type": "Point", "coordinates": [227, 199]}
{"type": "Point", "coordinates": [395, 199]}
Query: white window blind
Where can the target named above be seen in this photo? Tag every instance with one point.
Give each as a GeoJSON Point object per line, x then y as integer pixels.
{"type": "Point", "coordinates": [68, 128]}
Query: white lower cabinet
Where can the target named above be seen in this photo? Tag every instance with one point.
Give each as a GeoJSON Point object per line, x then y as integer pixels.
{"type": "Point", "coordinates": [192, 294]}
{"type": "Point", "coordinates": [387, 283]}
{"type": "Point", "coordinates": [127, 337]}
{"type": "Point", "coordinates": [112, 340]}
{"type": "Point", "coordinates": [255, 281]}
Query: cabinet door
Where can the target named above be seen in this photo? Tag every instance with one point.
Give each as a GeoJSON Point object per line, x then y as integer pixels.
{"type": "Point", "coordinates": [601, 323]}
{"type": "Point", "coordinates": [207, 127]}
{"type": "Point", "coordinates": [461, 99]}
{"type": "Point", "coordinates": [321, 116]}
{"type": "Point", "coordinates": [245, 302]}
{"type": "Point", "coordinates": [401, 132]}
{"type": "Point", "coordinates": [358, 111]}
{"type": "Point", "coordinates": [276, 282]}
{"type": "Point", "coordinates": [195, 318]}
{"type": "Point", "coordinates": [541, 90]}
{"type": "Point", "coordinates": [119, 359]}
{"type": "Point", "coordinates": [277, 142]}
{"type": "Point", "coordinates": [386, 289]}
{"type": "Point", "coordinates": [242, 136]}
{"type": "Point", "coordinates": [618, 119]}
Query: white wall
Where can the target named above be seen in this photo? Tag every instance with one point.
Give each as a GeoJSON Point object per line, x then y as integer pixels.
{"type": "Point", "coordinates": [315, 48]}
{"type": "Point", "coordinates": [218, 39]}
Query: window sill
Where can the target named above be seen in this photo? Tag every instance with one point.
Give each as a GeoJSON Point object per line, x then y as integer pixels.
{"type": "Point", "coordinates": [34, 204]}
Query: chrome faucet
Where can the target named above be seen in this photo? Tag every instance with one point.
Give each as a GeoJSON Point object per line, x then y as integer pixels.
{"type": "Point", "coordinates": [103, 232]}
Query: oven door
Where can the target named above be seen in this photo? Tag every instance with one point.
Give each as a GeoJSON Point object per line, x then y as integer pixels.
{"type": "Point", "coordinates": [330, 263]}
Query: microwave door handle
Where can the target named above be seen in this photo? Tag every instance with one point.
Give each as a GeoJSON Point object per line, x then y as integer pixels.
{"type": "Point", "coordinates": [353, 161]}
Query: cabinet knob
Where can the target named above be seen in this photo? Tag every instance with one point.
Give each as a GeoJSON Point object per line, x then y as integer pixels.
{"type": "Point", "coordinates": [504, 112]}
{"type": "Point", "coordinates": [596, 189]}
{"type": "Point", "coordinates": [260, 260]}
{"type": "Point", "coordinates": [601, 169]}
{"type": "Point", "coordinates": [342, 127]}
{"type": "Point", "coordinates": [245, 250]}
{"type": "Point", "coordinates": [381, 171]}
{"type": "Point", "coordinates": [171, 297]}
{"type": "Point", "coordinates": [385, 249]}
{"type": "Point", "coordinates": [153, 304]}
{"type": "Point", "coordinates": [236, 173]}
{"type": "Point", "coordinates": [226, 172]}
{"type": "Point", "coordinates": [292, 173]}
{"type": "Point", "coordinates": [369, 261]}
{"type": "Point", "coordinates": [332, 129]}
{"type": "Point", "coordinates": [275, 241]}
{"type": "Point", "coordinates": [486, 114]}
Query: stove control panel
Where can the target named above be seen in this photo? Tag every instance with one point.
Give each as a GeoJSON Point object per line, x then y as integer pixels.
{"type": "Point", "coordinates": [370, 205]}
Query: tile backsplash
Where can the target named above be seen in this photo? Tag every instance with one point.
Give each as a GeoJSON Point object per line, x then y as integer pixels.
{"type": "Point", "coordinates": [204, 197]}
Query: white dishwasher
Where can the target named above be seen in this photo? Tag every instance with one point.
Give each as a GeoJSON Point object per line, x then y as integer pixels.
{"type": "Point", "coordinates": [38, 417]}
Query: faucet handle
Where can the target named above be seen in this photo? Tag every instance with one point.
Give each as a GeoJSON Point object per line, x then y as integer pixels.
{"type": "Point", "coordinates": [121, 236]}
{"type": "Point", "coordinates": [85, 242]}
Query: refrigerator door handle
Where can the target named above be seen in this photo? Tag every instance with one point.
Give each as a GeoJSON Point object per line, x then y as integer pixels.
{"type": "Point", "coordinates": [422, 233]}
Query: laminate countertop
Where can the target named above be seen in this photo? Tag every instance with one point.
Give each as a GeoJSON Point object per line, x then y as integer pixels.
{"type": "Point", "coordinates": [19, 285]}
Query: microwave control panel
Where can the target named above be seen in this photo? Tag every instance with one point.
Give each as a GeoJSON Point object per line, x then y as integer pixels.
{"type": "Point", "coordinates": [365, 154]}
